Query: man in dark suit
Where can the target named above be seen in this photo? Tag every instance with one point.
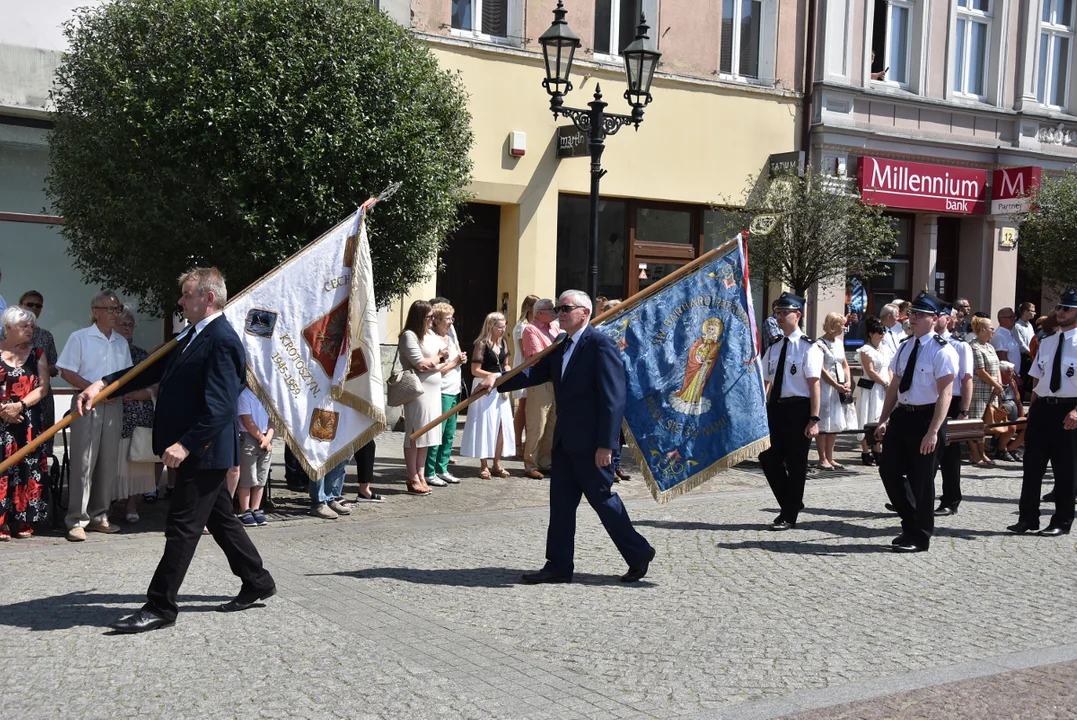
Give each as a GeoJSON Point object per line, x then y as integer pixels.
{"type": "Point", "coordinates": [589, 388]}
{"type": "Point", "coordinates": [194, 431]}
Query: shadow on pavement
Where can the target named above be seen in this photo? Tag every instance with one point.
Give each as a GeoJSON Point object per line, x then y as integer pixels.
{"type": "Point", "coordinates": [61, 612]}
{"type": "Point", "coordinates": [805, 548]}
{"type": "Point", "coordinates": [486, 577]}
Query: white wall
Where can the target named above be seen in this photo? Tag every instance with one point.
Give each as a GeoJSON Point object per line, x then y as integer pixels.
{"type": "Point", "coordinates": [34, 257]}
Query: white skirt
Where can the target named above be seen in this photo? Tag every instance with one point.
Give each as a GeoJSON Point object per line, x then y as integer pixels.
{"type": "Point", "coordinates": [484, 417]}
{"type": "Point", "coordinates": [133, 478]}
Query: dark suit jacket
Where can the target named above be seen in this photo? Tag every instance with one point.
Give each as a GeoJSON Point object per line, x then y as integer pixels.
{"type": "Point", "coordinates": [196, 400]}
{"type": "Point", "coordinates": [590, 398]}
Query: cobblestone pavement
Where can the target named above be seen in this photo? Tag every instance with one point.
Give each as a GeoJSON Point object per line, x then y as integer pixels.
{"type": "Point", "coordinates": [410, 609]}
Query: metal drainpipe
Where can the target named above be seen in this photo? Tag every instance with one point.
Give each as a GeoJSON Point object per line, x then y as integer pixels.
{"type": "Point", "coordinates": [809, 79]}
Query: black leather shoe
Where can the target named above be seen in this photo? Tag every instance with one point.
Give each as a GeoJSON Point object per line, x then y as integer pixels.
{"type": "Point", "coordinates": [946, 510]}
{"type": "Point", "coordinates": [141, 621]}
{"type": "Point", "coordinates": [246, 599]}
{"type": "Point", "coordinates": [1021, 527]}
{"type": "Point", "coordinates": [890, 507]}
{"type": "Point", "coordinates": [900, 540]}
{"type": "Point", "coordinates": [1049, 497]}
{"type": "Point", "coordinates": [545, 575]}
{"type": "Point", "coordinates": [1054, 531]}
{"type": "Point", "coordinates": [908, 547]}
{"type": "Point", "coordinates": [783, 525]}
{"type": "Point", "coordinates": [636, 572]}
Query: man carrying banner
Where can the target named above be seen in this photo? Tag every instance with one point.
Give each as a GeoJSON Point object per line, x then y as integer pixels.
{"type": "Point", "coordinates": [792, 368]}
{"type": "Point", "coordinates": [916, 405]}
{"type": "Point", "coordinates": [589, 388]}
{"type": "Point", "coordinates": [194, 431]}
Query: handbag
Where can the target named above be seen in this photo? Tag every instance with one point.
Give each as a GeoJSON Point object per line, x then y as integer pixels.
{"type": "Point", "coordinates": [141, 449]}
{"type": "Point", "coordinates": [865, 383]}
{"type": "Point", "coordinates": [996, 414]}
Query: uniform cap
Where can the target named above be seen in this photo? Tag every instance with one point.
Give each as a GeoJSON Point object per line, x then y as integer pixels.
{"type": "Point", "coordinates": [1069, 298]}
{"type": "Point", "coordinates": [789, 301]}
{"type": "Point", "coordinates": [925, 302]}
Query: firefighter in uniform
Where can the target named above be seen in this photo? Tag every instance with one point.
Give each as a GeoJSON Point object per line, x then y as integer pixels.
{"type": "Point", "coordinates": [792, 367]}
{"type": "Point", "coordinates": [912, 425]}
{"type": "Point", "coordinates": [1052, 425]}
{"type": "Point", "coordinates": [950, 464]}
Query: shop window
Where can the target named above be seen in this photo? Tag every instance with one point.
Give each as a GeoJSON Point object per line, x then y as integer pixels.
{"type": "Point", "coordinates": [1056, 48]}
{"type": "Point", "coordinates": [573, 228]}
{"type": "Point", "coordinates": [971, 36]}
{"type": "Point", "coordinates": [616, 21]}
{"type": "Point", "coordinates": [495, 20]}
{"type": "Point", "coordinates": [895, 280]}
{"type": "Point", "coordinates": [742, 23]}
{"type": "Point", "coordinates": [661, 225]}
{"type": "Point", "coordinates": [891, 42]}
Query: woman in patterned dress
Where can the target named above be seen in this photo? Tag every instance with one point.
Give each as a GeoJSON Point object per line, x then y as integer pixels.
{"type": "Point", "coordinates": [986, 381]}
{"type": "Point", "coordinates": [24, 382]}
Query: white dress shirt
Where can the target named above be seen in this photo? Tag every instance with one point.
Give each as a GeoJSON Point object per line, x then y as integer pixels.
{"type": "Point", "coordinates": [1023, 332]}
{"type": "Point", "coordinates": [803, 360]}
{"type": "Point", "coordinates": [199, 327]}
{"type": "Point", "coordinates": [571, 349]}
{"type": "Point", "coordinates": [1043, 365]}
{"type": "Point", "coordinates": [1003, 340]}
{"type": "Point", "coordinates": [892, 338]}
{"type": "Point", "coordinates": [965, 363]}
{"type": "Point", "coordinates": [934, 360]}
{"type": "Point", "coordinates": [91, 355]}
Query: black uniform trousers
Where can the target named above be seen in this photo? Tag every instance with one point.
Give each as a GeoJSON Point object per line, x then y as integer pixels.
{"type": "Point", "coordinates": [785, 462]}
{"type": "Point", "coordinates": [201, 500]}
{"type": "Point", "coordinates": [951, 464]}
{"type": "Point", "coordinates": [908, 475]}
{"type": "Point", "coordinates": [1046, 439]}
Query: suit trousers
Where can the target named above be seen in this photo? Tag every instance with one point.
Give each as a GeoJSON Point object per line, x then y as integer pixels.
{"type": "Point", "coordinates": [1046, 439]}
{"type": "Point", "coordinates": [908, 475]}
{"type": "Point", "coordinates": [201, 499]}
{"type": "Point", "coordinates": [94, 449]}
{"type": "Point", "coordinates": [575, 475]}
{"type": "Point", "coordinates": [785, 462]}
{"type": "Point", "coordinates": [950, 464]}
{"type": "Point", "coordinates": [540, 416]}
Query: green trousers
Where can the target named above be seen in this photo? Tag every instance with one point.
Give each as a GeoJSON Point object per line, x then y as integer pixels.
{"type": "Point", "coordinates": [437, 457]}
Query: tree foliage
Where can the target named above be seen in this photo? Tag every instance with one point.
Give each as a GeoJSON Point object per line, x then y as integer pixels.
{"type": "Point", "coordinates": [233, 132]}
{"type": "Point", "coordinates": [1048, 237]}
{"type": "Point", "coordinates": [822, 233]}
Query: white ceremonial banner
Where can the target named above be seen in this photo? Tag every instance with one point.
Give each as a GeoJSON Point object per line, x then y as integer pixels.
{"type": "Point", "coordinates": [310, 328]}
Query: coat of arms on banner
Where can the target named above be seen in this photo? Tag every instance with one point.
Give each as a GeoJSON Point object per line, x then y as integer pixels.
{"type": "Point", "coordinates": [694, 388]}
{"type": "Point", "coordinates": [310, 332]}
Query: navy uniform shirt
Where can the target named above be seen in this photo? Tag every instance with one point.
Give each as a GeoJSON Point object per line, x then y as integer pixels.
{"type": "Point", "coordinates": [934, 361]}
{"type": "Point", "coordinates": [1043, 365]}
{"type": "Point", "coordinates": [803, 360]}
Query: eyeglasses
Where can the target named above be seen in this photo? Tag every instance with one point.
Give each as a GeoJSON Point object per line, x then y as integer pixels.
{"type": "Point", "coordinates": [568, 308]}
{"type": "Point", "coordinates": [32, 305]}
{"type": "Point", "coordinates": [126, 325]}
{"type": "Point", "coordinates": [110, 309]}
{"type": "Point", "coordinates": [429, 317]}
{"type": "Point", "coordinates": [784, 311]}
{"type": "Point", "coordinates": [1064, 308]}
{"type": "Point", "coordinates": [920, 314]}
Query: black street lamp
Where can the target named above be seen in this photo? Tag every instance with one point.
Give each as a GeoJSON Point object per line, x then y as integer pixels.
{"type": "Point", "coordinates": [559, 45]}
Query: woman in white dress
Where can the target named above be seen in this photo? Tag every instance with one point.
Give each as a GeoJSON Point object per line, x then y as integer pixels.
{"type": "Point", "coordinates": [527, 312]}
{"type": "Point", "coordinates": [427, 358]}
{"type": "Point", "coordinates": [833, 413]}
{"type": "Point", "coordinates": [488, 430]}
{"type": "Point", "coordinates": [871, 389]}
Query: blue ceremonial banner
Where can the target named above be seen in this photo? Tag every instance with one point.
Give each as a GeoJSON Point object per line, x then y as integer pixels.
{"type": "Point", "coordinates": [695, 404]}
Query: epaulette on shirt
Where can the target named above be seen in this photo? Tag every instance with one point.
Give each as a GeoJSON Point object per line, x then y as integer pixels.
{"type": "Point", "coordinates": [940, 340]}
{"type": "Point", "coordinates": [808, 339]}
{"type": "Point", "coordinates": [907, 337]}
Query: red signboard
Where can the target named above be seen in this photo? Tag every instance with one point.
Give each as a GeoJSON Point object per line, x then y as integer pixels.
{"type": "Point", "coordinates": [920, 186]}
{"type": "Point", "coordinates": [1009, 188]}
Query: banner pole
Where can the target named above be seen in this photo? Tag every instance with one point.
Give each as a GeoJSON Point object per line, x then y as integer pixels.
{"type": "Point", "coordinates": [621, 307]}
{"type": "Point", "coordinates": [72, 417]}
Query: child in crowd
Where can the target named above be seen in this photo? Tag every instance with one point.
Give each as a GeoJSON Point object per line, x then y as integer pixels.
{"type": "Point", "coordinates": [255, 455]}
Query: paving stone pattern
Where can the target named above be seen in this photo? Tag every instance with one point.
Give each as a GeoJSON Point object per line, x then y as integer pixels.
{"type": "Point", "coordinates": [411, 609]}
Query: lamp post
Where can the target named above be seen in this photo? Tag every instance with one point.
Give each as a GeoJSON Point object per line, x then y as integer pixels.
{"type": "Point", "coordinates": [559, 45]}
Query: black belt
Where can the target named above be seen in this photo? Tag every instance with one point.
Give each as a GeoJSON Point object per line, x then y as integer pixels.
{"type": "Point", "coordinates": [791, 399]}
{"type": "Point", "coordinates": [915, 408]}
{"type": "Point", "coordinates": [1051, 400]}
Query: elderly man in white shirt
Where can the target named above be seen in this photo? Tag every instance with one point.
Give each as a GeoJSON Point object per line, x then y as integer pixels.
{"type": "Point", "coordinates": [1003, 340]}
{"type": "Point", "coordinates": [895, 333]}
{"type": "Point", "coordinates": [94, 444]}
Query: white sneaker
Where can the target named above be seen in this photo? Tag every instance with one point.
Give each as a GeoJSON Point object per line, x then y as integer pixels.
{"type": "Point", "coordinates": [436, 481]}
{"type": "Point", "coordinates": [449, 478]}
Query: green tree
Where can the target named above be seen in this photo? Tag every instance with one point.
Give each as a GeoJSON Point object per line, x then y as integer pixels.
{"type": "Point", "coordinates": [821, 232]}
{"type": "Point", "coordinates": [233, 132]}
{"type": "Point", "coordinates": [1048, 237]}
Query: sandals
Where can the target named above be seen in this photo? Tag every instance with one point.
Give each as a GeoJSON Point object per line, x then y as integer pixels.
{"type": "Point", "coordinates": [986, 464]}
{"type": "Point", "coordinates": [501, 472]}
{"type": "Point", "coordinates": [5, 533]}
{"type": "Point", "coordinates": [417, 488]}
{"type": "Point", "coordinates": [484, 474]}
{"type": "Point", "coordinates": [24, 532]}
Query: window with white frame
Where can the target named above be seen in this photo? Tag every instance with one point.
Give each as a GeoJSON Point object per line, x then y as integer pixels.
{"type": "Point", "coordinates": [891, 41]}
{"type": "Point", "coordinates": [972, 33]}
{"type": "Point", "coordinates": [1056, 52]}
{"type": "Point", "coordinates": [482, 18]}
{"type": "Point", "coordinates": [742, 26]}
{"type": "Point", "coordinates": [616, 21]}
